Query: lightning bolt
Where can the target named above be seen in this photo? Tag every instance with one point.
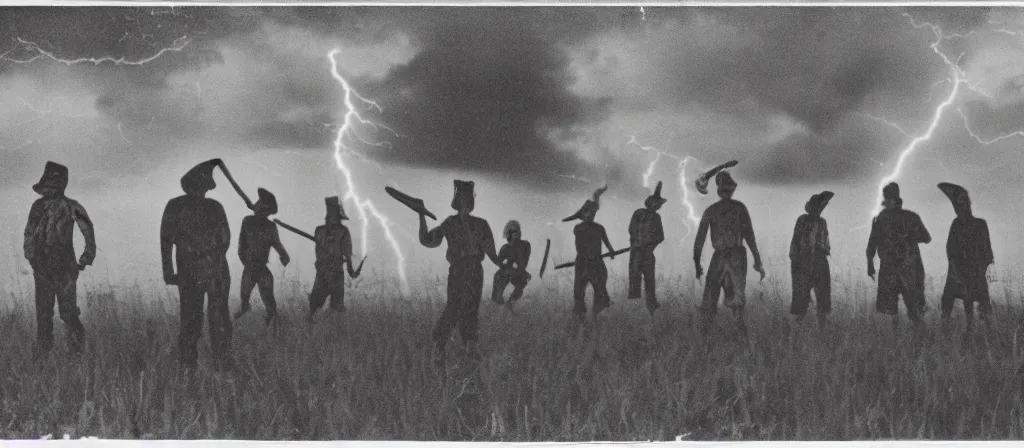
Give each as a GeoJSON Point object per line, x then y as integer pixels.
{"type": "Point", "coordinates": [692, 220]}
{"type": "Point", "coordinates": [351, 120]}
{"type": "Point", "coordinates": [958, 79]}
{"type": "Point", "coordinates": [178, 45]}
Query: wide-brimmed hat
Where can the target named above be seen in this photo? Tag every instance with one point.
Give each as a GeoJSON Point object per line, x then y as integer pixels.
{"type": "Point", "coordinates": [592, 205]}
{"type": "Point", "coordinates": [334, 208]}
{"type": "Point", "coordinates": [956, 194]}
{"type": "Point", "coordinates": [54, 176]}
{"type": "Point", "coordinates": [511, 226]}
{"type": "Point", "coordinates": [200, 177]}
{"type": "Point", "coordinates": [655, 198]}
{"type": "Point", "coordinates": [818, 202]}
{"type": "Point", "coordinates": [464, 192]}
{"type": "Point", "coordinates": [266, 199]}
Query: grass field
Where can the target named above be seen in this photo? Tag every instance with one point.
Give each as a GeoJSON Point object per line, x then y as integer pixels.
{"type": "Point", "coordinates": [367, 374]}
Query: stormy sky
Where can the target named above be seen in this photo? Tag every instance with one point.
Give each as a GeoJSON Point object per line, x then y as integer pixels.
{"type": "Point", "coordinates": [538, 104]}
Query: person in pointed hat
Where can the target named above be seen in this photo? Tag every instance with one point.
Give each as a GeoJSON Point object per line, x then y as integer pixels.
{"type": "Point", "coordinates": [730, 225]}
{"type": "Point", "coordinates": [333, 251]}
{"type": "Point", "coordinates": [195, 228]}
{"type": "Point", "coordinates": [49, 249]}
{"type": "Point", "coordinates": [895, 235]}
{"type": "Point", "coordinates": [969, 251]}
{"type": "Point", "coordinates": [514, 256]}
{"type": "Point", "coordinates": [255, 239]}
{"type": "Point", "coordinates": [645, 234]}
{"type": "Point", "coordinates": [590, 267]}
{"type": "Point", "coordinates": [469, 241]}
{"type": "Point", "coordinates": [808, 256]}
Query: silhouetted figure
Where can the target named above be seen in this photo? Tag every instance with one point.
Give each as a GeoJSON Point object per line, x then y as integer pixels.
{"type": "Point", "coordinates": [895, 234]}
{"type": "Point", "coordinates": [333, 252]}
{"type": "Point", "coordinates": [196, 229]}
{"type": "Point", "coordinates": [513, 258]}
{"type": "Point", "coordinates": [969, 251]}
{"type": "Point", "coordinates": [50, 250]}
{"type": "Point", "coordinates": [645, 233]}
{"type": "Point", "coordinates": [730, 226]}
{"type": "Point", "coordinates": [808, 256]}
{"type": "Point", "coordinates": [469, 240]}
{"type": "Point", "coordinates": [257, 236]}
{"type": "Point", "coordinates": [590, 268]}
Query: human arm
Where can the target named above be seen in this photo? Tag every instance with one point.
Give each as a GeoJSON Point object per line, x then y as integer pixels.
{"type": "Point", "coordinates": [872, 247]}
{"type": "Point", "coordinates": [526, 255]}
{"type": "Point", "coordinates": [748, 236]}
{"type": "Point", "coordinates": [796, 238]}
{"type": "Point", "coordinates": [81, 218]}
{"type": "Point", "coordinates": [29, 246]}
{"type": "Point", "coordinates": [824, 232]}
{"type": "Point", "coordinates": [431, 238]}
{"type": "Point", "coordinates": [223, 230]}
{"type": "Point", "coordinates": [281, 252]}
{"type": "Point", "coordinates": [604, 237]}
{"type": "Point", "coordinates": [634, 230]}
{"type": "Point", "coordinates": [487, 242]}
{"type": "Point", "coordinates": [698, 243]}
{"type": "Point", "coordinates": [952, 243]}
{"type": "Point", "coordinates": [168, 230]}
{"type": "Point", "coordinates": [242, 240]}
{"type": "Point", "coordinates": [920, 232]}
{"type": "Point", "coordinates": [659, 231]}
{"type": "Point", "coordinates": [504, 256]}
{"type": "Point", "coordinates": [986, 245]}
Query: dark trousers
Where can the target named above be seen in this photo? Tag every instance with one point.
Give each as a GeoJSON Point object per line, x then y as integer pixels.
{"type": "Point", "coordinates": [191, 297]}
{"type": "Point", "coordinates": [327, 283]}
{"type": "Point", "coordinates": [261, 277]}
{"type": "Point", "coordinates": [462, 310]}
{"type": "Point", "coordinates": [60, 286]}
{"type": "Point", "coordinates": [727, 275]}
{"type": "Point", "coordinates": [901, 278]}
{"type": "Point", "coordinates": [641, 267]}
{"type": "Point", "coordinates": [594, 273]}
{"type": "Point", "coordinates": [518, 279]}
{"type": "Point", "coordinates": [812, 274]}
{"type": "Point", "coordinates": [972, 287]}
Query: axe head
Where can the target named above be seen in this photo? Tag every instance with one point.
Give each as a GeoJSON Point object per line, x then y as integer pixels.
{"type": "Point", "coordinates": [415, 204]}
{"type": "Point", "coordinates": [705, 178]}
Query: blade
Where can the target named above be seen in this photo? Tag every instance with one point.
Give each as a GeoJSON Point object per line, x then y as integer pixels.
{"type": "Point", "coordinates": [606, 255]}
{"type": "Point", "coordinates": [544, 264]}
{"type": "Point", "coordinates": [294, 230]}
{"type": "Point", "coordinates": [355, 273]}
{"type": "Point", "coordinates": [238, 189]}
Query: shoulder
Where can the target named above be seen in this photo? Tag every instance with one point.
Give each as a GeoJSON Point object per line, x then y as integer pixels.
{"type": "Point", "coordinates": [248, 220]}
{"type": "Point", "coordinates": [639, 212]}
{"type": "Point", "coordinates": [478, 221]}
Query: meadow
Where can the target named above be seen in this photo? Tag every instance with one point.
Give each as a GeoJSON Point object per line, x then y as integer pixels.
{"type": "Point", "coordinates": [367, 374]}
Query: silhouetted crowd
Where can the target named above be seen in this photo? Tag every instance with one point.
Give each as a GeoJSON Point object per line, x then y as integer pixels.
{"type": "Point", "coordinates": [195, 238]}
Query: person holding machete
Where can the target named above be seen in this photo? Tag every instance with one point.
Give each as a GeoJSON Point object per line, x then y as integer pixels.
{"type": "Point", "coordinates": [333, 253]}
{"type": "Point", "coordinates": [590, 268]}
{"type": "Point", "coordinates": [255, 239]}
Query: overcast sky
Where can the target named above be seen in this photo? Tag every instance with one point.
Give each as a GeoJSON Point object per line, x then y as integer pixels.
{"type": "Point", "coordinates": [538, 104]}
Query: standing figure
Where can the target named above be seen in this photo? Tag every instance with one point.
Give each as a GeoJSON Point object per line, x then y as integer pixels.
{"type": "Point", "coordinates": [590, 268]}
{"type": "Point", "coordinates": [333, 253]}
{"type": "Point", "coordinates": [196, 229]}
{"type": "Point", "coordinates": [808, 256]}
{"type": "Point", "coordinates": [50, 250]}
{"type": "Point", "coordinates": [969, 251]}
{"type": "Point", "coordinates": [645, 233]}
{"type": "Point", "coordinates": [895, 234]}
{"type": "Point", "coordinates": [730, 226]}
{"type": "Point", "coordinates": [512, 258]}
{"type": "Point", "coordinates": [257, 236]}
{"type": "Point", "coordinates": [469, 240]}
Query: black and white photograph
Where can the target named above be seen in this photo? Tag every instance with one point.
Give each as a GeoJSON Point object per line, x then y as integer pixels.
{"type": "Point", "coordinates": [512, 222]}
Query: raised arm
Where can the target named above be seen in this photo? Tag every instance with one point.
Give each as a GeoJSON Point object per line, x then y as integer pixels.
{"type": "Point", "coordinates": [29, 245]}
{"type": "Point", "coordinates": [281, 252]}
{"type": "Point", "coordinates": [85, 226]}
{"type": "Point", "coordinates": [431, 238]}
{"type": "Point", "coordinates": [168, 231]}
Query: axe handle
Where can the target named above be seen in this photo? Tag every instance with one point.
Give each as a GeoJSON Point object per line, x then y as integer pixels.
{"type": "Point", "coordinates": [606, 255]}
{"type": "Point", "coordinates": [544, 264]}
{"type": "Point", "coordinates": [238, 189]}
{"type": "Point", "coordinates": [293, 229]}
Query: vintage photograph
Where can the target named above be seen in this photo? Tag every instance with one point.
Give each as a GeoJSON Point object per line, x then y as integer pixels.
{"type": "Point", "coordinates": [512, 223]}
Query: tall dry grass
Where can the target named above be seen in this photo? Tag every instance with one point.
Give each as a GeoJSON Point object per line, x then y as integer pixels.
{"type": "Point", "coordinates": [367, 374]}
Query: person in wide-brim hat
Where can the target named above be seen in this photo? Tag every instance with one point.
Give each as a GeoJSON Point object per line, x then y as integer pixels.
{"type": "Point", "coordinates": [817, 203]}
{"type": "Point", "coordinates": [200, 177]}
{"type": "Point", "coordinates": [590, 267]}
{"type": "Point", "coordinates": [808, 255]}
{"type": "Point", "coordinates": [969, 251]}
{"type": "Point", "coordinates": [267, 201]}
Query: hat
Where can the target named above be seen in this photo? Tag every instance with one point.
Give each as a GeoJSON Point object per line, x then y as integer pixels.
{"type": "Point", "coordinates": [55, 175]}
{"type": "Point", "coordinates": [725, 182]}
{"type": "Point", "coordinates": [511, 226]}
{"type": "Point", "coordinates": [592, 205]}
{"type": "Point", "coordinates": [266, 199]}
{"type": "Point", "coordinates": [818, 202]}
{"type": "Point", "coordinates": [463, 191]}
{"type": "Point", "coordinates": [956, 194]}
{"type": "Point", "coordinates": [334, 208]}
{"type": "Point", "coordinates": [656, 197]}
{"type": "Point", "coordinates": [200, 176]}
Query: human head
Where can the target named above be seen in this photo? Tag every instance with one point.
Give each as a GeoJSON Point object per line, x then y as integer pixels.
{"type": "Point", "coordinates": [266, 205]}
{"type": "Point", "coordinates": [655, 201]}
{"type": "Point", "coordinates": [53, 181]}
{"type": "Point", "coordinates": [512, 231]}
{"type": "Point", "coordinates": [816, 204]}
{"type": "Point", "coordinates": [335, 212]}
{"type": "Point", "coordinates": [199, 180]}
{"type": "Point", "coordinates": [726, 185]}
{"type": "Point", "coordinates": [464, 199]}
{"type": "Point", "coordinates": [959, 197]}
{"type": "Point", "coordinates": [891, 196]}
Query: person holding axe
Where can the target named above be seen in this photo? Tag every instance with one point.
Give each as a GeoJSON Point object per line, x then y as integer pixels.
{"type": "Point", "coordinates": [195, 228]}
{"type": "Point", "coordinates": [49, 249]}
{"type": "Point", "coordinates": [590, 268]}
{"type": "Point", "coordinates": [730, 225]}
{"type": "Point", "coordinates": [469, 240]}
{"type": "Point", "coordinates": [255, 239]}
{"type": "Point", "coordinates": [645, 234]}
